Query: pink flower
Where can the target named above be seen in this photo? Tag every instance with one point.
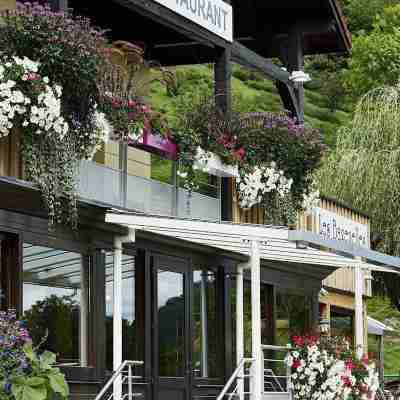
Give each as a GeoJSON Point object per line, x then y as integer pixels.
{"type": "Point", "coordinates": [132, 103]}
{"type": "Point", "coordinates": [349, 364]}
{"type": "Point", "coordinates": [296, 364]}
{"type": "Point", "coordinates": [346, 380]}
{"type": "Point", "coordinates": [298, 340]}
{"type": "Point", "coordinates": [239, 154]}
{"type": "Point", "coordinates": [365, 360]}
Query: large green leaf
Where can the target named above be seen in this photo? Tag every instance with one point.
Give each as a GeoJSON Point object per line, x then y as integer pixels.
{"type": "Point", "coordinates": [47, 359]}
{"type": "Point", "coordinates": [58, 384]}
{"type": "Point", "coordinates": [26, 392]}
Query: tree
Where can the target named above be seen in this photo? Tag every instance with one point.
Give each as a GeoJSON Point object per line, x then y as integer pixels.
{"type": "Point", "coordinates": [364, 169]}
{"type": "Point", "coordinates": [375, 57]}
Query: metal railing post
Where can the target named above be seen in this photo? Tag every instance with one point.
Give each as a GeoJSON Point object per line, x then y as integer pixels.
{"type": "Point", "coordinates": [130, 383]}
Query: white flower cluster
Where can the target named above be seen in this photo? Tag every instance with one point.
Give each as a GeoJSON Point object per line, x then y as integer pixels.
{"type": "Point", "coordinates": [254, 186]}
{"type": "Point", "coordinates": [317, 375]}
{"type": "Point", "coordinates": [311, 201]}
{"type": "Point", "coordinates": [103, 131]}
{"type": "Point", "coordinates": [41, 111]}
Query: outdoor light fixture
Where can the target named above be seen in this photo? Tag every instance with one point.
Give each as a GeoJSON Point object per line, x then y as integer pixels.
{"type": "Point", "coordinates": [324, 325]}
{"type": "Point", "coordinates": [299, 77]}
{"type": "Point", "coordinates": [301, 244]}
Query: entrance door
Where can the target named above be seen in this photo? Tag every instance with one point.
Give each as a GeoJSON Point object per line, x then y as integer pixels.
{"type": "Point", "coordinates": [171, 329]}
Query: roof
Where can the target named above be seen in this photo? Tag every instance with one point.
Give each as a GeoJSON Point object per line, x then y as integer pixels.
{"type": "Point", "coordinates": [275, 245]}
{"type": "Point", "coordinates": [378, 328]}
{"type": "Point", "coordinates": [258, 24]}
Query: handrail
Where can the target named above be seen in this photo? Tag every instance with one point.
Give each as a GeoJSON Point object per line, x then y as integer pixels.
{"type": "Point", "coordinates": [272, 347]}
{"type": "Point", "coordinates": [235, 374]}
{"type": "Point", "coordinates": [116, 374]}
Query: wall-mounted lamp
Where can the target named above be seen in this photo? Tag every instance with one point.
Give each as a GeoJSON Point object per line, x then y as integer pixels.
{"type": "Point", "coordinates": [301, 244]}
{"type": "Point", "coordinates": [299, 77]}
{"type": "Point", "coordinates": [324, 325]}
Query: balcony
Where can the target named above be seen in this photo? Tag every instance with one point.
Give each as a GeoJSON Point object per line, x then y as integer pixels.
{"type": "Point", "coordinates": [107, 185]}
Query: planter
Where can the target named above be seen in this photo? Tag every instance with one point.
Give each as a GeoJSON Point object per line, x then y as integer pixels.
{"type": "Point", "coordinates": [10, 155]}
{"type": "Point", "coordinates": [212, 164]}
{"type": "Point", "coordinates": [154, 142]}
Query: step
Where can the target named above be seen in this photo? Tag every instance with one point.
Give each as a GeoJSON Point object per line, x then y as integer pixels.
{"type": "Point", "coordinates": [276, 396]}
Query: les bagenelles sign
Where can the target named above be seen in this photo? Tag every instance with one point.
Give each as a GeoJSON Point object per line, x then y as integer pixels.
{"type": "Point", "coordinates": [336, 227]}
{"type": "Point", "coordinates": [214, 15]}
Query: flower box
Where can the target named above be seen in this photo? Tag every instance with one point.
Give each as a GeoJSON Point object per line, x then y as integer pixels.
{"type": "Point", "coordinates": [212, 164]}
{"type": "Point", "coordinates": [154, 142]}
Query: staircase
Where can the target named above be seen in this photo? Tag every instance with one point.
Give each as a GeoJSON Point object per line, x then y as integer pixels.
{"type": "Point", "coordinates": [121, 386]}
{"type": "Point", "coordinates": [275, 386]}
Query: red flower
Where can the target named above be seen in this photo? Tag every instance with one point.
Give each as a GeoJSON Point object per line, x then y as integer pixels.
{"type": "Point", "coordinates": [239, 154]}
{"type": "Point", "coordinates": [349, 364]}
{"type": "Point", "coordinates": [131, 103]}
{"type": "Point", "coordinates": [346, 381]}
{"type": "Point", "coordinates": [296, 364]}
{"type": "Point", "coordinates": [365, 360]}
{"type": "Point", "coordinates": [298, 340]}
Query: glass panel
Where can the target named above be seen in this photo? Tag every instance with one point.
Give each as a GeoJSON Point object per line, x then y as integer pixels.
{"type": "Point", "coordinates": [205, 324]}
{"type": "Point", "coordinates": [293, 312]}
{"type": "Point", "coordinates": [342, 325]}
{"type": "Point", "coordinates": [55, 301]}
{"type": "Point", "coordinates": [171, 323]}
{"type": "Point", "coordinates": [130, 335]}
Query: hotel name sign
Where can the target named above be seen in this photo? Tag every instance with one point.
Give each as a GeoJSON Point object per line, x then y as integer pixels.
{"type": "Point", "coordinates": [214, 15]}
{"type": "Point", "coordinates": [336, 227]}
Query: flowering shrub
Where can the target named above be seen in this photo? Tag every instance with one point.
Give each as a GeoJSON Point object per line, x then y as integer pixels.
{"type": "Point", "coordinates": [24, 374]}
{"type": "Point", "coordinates": [327, 369]}
{"type": "Point", "coordinates": [50, 66]}
{"type": "Point", "coordinates": [255, 185]}
{"type": "Point", "coordinates": [254, 142]}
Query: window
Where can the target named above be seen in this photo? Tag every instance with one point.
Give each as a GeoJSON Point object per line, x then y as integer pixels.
{"type": "Point", "coordinates": [205, 324]}
{"type": "Point", "coordinates": [342, 323]}
{"type": "Point", "coordinates": [55, 301]}
{"type": "Point", "coordinates": [293, 315]}
{"type": "Point", "coordinates": [131, 339]}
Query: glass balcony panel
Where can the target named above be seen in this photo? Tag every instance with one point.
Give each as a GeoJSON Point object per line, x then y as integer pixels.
{"type": "Point", "coordinates": [103, 184]}
{"type": "Point", "coordinates": [100, 183]}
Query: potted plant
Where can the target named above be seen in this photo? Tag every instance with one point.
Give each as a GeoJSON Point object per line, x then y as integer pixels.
{"type": "Point", "coordinates": [25, 374]}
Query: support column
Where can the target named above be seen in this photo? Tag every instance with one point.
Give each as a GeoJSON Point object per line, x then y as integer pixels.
{"type": "Point", "coordinates": [117, 314]}
{"type": "Point", "coordinates": [84, 313]}
{"type": "Point", "coordinates": [223, 99]}
{"type": "Point", "coordinates": [204, 323]}
{"type": "Point", "coordinates": [240, 326]}
{"type": "Point", "coordinates": [358, 308]}
{"type": "Point", "coordinates": [257, 368]}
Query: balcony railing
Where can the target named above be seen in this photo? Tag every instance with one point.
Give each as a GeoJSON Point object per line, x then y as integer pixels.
{"type": "Point", "coordinates": [106, 185]}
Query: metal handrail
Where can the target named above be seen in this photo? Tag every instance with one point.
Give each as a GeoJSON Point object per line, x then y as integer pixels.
{"type": "Point", "coordinates": [119, 372]}
{"type": "Point", "coordinates": [271, 373]}
{"type": "Point", "coordinates": [235, 374]}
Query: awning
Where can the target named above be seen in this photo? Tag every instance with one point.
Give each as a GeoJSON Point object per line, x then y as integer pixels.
{"type": "Point", "coordinates": [275, 244]}
{"type": "Point", "coordinates": [378, 328]}
{"type": "Point", "coordinates": [374, 259]}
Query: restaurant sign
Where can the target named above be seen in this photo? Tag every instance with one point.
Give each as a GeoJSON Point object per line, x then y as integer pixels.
{"type": "Point", "coordinates": [336, 227]}
{"type": "Point", "coordinates": [214, 15]}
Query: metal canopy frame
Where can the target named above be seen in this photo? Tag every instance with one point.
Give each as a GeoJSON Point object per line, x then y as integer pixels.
{"type": "Point", "coordinates": [346, 248]}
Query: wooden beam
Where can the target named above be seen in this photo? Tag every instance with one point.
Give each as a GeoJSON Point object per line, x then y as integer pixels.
{"type": "Point", "coordinates": [289, 98]}
{"type": "Point", "coordinates": [166, 17]}
{"type": "Point", "coordinates": [7, 5]}
{"type": "Point", "coordinates": [248, 58]}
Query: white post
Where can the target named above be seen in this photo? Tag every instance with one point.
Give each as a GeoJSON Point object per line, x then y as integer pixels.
{"type": "Point", "coordinates": [240, 328]}
{"type": "Point", "coordinates": [257, 369]}
{"type": "Point", "coordinates": [117, 315]}
{"type": "Point", "coordinates": [204, 327]}
{"type": "Point", "coordinates": [358, 308]}
{"type": "Point", "coordinates": [84, 316]}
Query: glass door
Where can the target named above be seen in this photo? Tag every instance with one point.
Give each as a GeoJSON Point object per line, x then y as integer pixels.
{"type": "Point", "coordinates": [171, 334]}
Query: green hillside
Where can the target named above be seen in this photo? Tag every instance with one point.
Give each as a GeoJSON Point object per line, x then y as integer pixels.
{"type": "Point", "coordinates": [251, 92]}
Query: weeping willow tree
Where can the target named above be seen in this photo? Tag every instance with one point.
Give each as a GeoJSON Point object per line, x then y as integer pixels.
{"type": "Point", "coordinates": [364, 170]}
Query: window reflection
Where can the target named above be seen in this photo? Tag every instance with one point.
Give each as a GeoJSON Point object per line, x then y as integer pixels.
{"type": "Point", "coordinates": [130, 337]}
{"type": "Point", "coordinates": [293, 311]}
{"type": "Point", "coordinates": [55, 301]}
{"type": "Point", "coordinates": [205, 324]}
{"type": "Point", "coordinates": [171, 323]}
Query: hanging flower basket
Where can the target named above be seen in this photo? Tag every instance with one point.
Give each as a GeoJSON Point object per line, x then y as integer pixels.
{"type": "Point", "coordinates": [154, 142]}
{"type": "Point", "coordinates": [212, 164]}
